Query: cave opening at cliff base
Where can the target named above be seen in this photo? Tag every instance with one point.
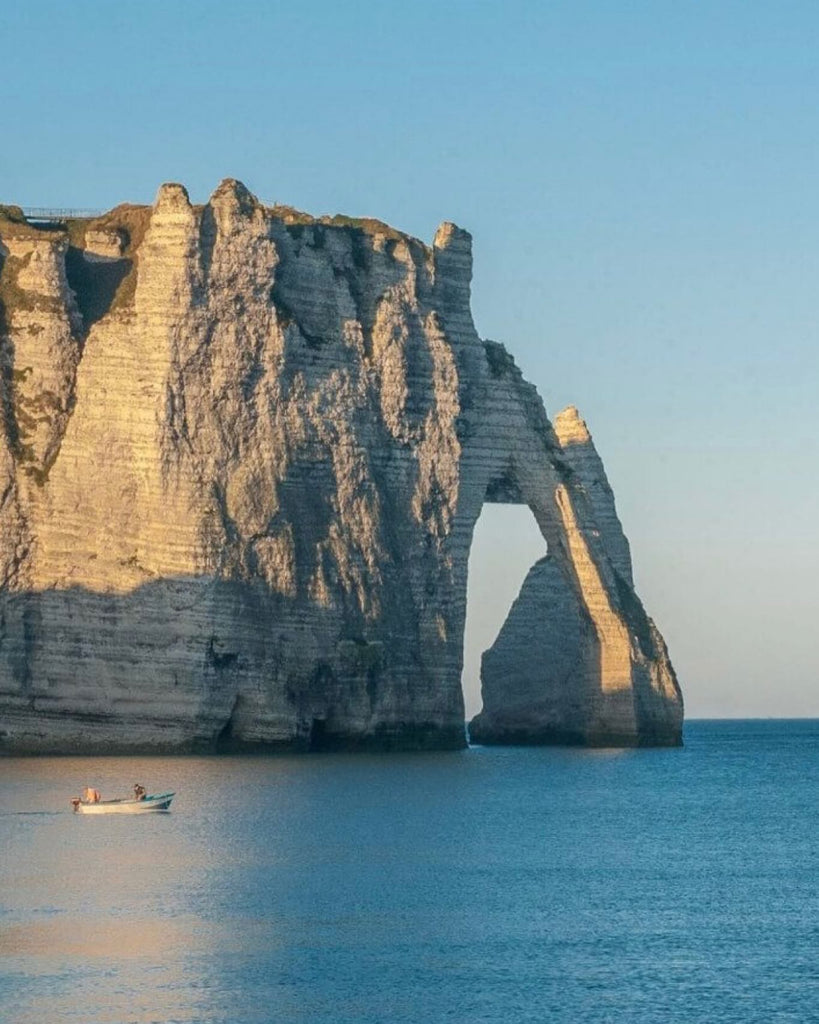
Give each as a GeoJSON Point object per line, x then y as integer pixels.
{"type": "Point", "coordinates": [506, 543]}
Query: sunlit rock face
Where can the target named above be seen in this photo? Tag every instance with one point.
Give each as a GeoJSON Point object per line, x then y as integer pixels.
{"type": "Point", "coordinates": [243, 453]}
{"type": "Point", "coordinates": [578, 660]}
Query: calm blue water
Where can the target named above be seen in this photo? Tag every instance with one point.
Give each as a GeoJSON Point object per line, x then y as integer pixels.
{"type": "Point", "coordinates": [492, 885]}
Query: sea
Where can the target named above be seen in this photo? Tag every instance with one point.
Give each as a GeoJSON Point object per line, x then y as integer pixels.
{"type": "Point", "coordinates": [486, 885]}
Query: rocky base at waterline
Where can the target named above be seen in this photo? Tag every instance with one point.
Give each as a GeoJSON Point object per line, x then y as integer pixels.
{"type": "Point", "coordinates": [242, 454]}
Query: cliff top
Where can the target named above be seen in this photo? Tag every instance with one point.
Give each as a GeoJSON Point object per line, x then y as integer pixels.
{"type": "Point", "coordinates": [132, 219]}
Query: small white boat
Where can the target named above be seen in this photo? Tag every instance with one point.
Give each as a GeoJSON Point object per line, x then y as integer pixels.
{"type": "Point", "coordinates": [127, 805]}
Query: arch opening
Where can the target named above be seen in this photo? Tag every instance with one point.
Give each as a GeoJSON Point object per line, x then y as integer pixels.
{"type": "Point", "coordinates": [506, 543]}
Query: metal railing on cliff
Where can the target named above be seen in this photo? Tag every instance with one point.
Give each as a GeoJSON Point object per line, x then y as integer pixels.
{"type": "Point", "coordinates": [54, 215]}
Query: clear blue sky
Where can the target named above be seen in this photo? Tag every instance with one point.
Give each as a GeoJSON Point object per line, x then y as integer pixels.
{"type": "Point", "coordinates": [642, 181]}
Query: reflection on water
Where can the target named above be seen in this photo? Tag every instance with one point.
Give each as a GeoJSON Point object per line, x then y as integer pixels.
{"type": "Point", "coordinates": [59, 937]}
{"type": "Point", "coordinates": [491, 885]}
{"type": "Point", "coordinates": [91, 929]}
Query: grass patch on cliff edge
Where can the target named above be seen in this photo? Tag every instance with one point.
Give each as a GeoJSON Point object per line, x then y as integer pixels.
{"type": "Point", "coordinates": [369, 225]}
{"type": "Point", "coordinates": [290, 215]}
{"type": "Point", "coordinates": [13, 224]}
{"type": "Point", "coordinates": [92, 284]}
{"type": "Point", "coordinates": [99, 291]}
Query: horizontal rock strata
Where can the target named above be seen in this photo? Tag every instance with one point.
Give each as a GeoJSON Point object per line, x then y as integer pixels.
{"type": "Point", "coordinates": [578, 661]}
{"type": "Point", "coordinates": [242, 454]}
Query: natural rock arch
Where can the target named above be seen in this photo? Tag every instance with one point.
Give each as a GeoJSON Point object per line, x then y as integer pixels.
{"type": "Point", "coordinates": [506, 542]}
{"type": "Point", "coordinates": [577, 660]}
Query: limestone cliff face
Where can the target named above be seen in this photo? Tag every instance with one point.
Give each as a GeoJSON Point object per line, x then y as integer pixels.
{"type": "Point", "coordinates": [578, 660]}
{"type": "Point", "coordinates": [243, 452]}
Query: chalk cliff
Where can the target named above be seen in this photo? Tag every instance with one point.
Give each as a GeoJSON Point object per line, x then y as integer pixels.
{"type": "Point", "coordinates": [243, 452]}
{"type": "Point", "coordinates": [578, 660]}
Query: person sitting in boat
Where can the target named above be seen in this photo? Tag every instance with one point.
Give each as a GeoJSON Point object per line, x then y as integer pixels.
{"type": "Point", "coordinates": [90, 795]}
{"type": "Point", "coordinates": [139, 791]}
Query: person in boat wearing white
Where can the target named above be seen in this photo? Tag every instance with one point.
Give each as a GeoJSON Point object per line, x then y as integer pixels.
{"type": "Point", "coordinates": [139, 791]}
{"type": "Point", "coordinates": [91, 795]}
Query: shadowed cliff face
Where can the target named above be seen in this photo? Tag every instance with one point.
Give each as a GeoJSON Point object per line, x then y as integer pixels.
{"type": "Point", "coordinates": [243, 453]}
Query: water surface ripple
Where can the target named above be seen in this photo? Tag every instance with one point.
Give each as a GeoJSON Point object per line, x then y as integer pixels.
{"type": "Point", "coordinates": [490, 885]}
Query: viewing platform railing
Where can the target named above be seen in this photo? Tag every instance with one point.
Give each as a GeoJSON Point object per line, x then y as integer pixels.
{"type": "Point", "coordinates": [50, 215]}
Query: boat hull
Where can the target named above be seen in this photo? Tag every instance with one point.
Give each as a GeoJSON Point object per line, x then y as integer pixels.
{"type": "Point", "coordinates": [149, 805]}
